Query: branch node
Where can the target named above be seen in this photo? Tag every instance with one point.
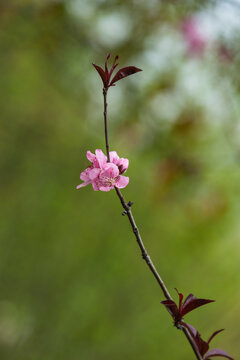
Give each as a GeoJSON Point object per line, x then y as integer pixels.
{"type": "Point", "coordinates": [135, 230]}
{"type": "Point", "coordinates": [178, 325]}
{"type": "Point", "coordinates": [124, 213]}
{"type": "Point", "coordinates": [130, 203]}
{"type": "Point", "coordinates": [146, 257]}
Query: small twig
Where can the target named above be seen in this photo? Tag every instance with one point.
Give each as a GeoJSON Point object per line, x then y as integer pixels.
{"type": "Point", "coordinates": [105, 122]}
{"type": "Point", "coordinates": [145, 255]}
{"type": "Point", "coordinates": [127, 211]}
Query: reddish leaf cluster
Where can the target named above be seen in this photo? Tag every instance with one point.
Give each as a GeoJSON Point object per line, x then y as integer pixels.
{"type": "Point", "coordinates": [184, 307]}
{"type": "Point", "coordinates": [107, 74]}
{"type": "Point", "coordinates": [190, 303]}
{"type": "Point", "coordinates": [203, 346]}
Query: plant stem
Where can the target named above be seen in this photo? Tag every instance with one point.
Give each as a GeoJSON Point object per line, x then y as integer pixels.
{"type": "Point", "coordinates": [105, 122]}
{"type": "Point", "coordinates": [145, 256]}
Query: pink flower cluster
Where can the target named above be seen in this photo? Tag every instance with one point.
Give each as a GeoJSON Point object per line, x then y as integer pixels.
{"type": "Point", "coordinates": [104, 175]}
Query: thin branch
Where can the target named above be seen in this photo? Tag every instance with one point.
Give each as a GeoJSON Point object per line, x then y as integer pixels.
{"type": "Point", "coordinates": [105, 122]}
{"type": "Point", "coordinates": [145, 256]}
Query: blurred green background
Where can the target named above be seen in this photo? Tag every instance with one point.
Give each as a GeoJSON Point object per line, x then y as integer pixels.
{"type": "Point", "coordinates": [72, 281]}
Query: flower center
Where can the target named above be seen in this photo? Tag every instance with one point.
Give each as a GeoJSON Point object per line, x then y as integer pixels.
{"type": "Point", "coordinates": [106, 181]}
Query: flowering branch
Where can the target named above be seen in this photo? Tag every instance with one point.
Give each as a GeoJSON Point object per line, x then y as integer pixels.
{"type": "Point", "coordinates": [127, 210]}
{"type": "Point", "coordinates": [106, 173]}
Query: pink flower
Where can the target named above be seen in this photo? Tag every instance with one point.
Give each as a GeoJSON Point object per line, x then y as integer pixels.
{"type": "Point", "coordinates": [105, 175]}
{"type": "Point", "coordinates": [193, 36]}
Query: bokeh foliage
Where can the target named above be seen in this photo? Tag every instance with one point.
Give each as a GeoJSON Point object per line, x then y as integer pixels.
{"type": "Point", "coordinates": [72, 282]}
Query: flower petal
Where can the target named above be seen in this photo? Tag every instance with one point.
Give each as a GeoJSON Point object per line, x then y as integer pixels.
{"type": "Point", "coordinates": [122, 182]}
{"type": "Point", "coordinates": [83, 184]}
{"type": "Point", "coordinates": [95, 185]}
{"type": "Point", "coordinates": [93, 173]}
{"type": "Point", "coordinates": [114, 158]}
{"type": "Point", "coordinates": [106, 188]}
{"type": "Point", "coordinates": [101, 158]}
{"type": "Point", "coordinates": [84, 176]}
{"type": "Point", "coordinates": [109, 171]}
{"type": "Point", "coordinates": [90, 156]}
{"type": "Point", "coordinates": [123, 165]}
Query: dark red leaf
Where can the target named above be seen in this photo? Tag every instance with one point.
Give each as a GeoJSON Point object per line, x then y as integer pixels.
{"type": "Point", "coordinates": [114, 66]}
{"type": "Point", "coordinates": [124, 72]}
{"type": "Point", "coordinates": [217, 352]}
{"type": "Point", "coordinates": [106, 67]}
{"type": "Point", "coordinates": [102, 74]}
{"type": "Point", "coordinates": [201, 344]}
{"type": "Point", "coordinates": [112, 69]}
{"type": "Point", "coordinates": [191, 329]}
{"type": "Point", "coordinates": [214, 334]}
{"type": "Point", "coordinates": [180, 300]}
{"type": "Point", "coordinates": [204, 346]}
{"type": "Point", "coordinates": [106, 70]}
{"type": "Point", "coordinates": [171, 308]}
{"type": "Point", "coordinates": [192, 303]}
